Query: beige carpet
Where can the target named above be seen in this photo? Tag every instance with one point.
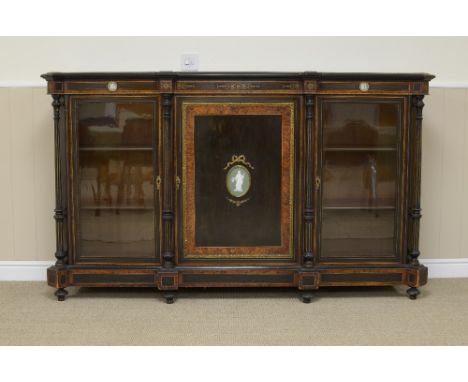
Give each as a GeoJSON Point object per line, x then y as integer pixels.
{"type": "Point", "coordinates": [30, 315]}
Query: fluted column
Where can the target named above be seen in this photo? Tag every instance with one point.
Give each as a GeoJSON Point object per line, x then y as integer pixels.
{"type": "Point", "coordinates": [414, 212]}
{"type": "Point", "coordinates": [167, 183]}
{"type": "Point", "coordinates": [60, 211]}
{"type": "Point", "coordinates": [308, 257]}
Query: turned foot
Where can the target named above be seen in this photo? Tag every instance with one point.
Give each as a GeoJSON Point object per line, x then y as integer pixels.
{"type": "Point", "coordinates": [413, 293]}
{"type": "Point", "coordinates": [61, 294]}
{"type": "Point", "coordinates": [170, 297]}
{"type": "Point", "coordinates": [306, 298]}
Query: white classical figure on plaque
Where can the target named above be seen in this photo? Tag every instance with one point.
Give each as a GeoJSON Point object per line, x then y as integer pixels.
{"type": "Point", "coordinates": [238, 179]}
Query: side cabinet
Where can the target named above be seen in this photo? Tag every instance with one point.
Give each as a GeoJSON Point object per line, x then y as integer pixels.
{"type": "Point", "coordinates": [174, 180]}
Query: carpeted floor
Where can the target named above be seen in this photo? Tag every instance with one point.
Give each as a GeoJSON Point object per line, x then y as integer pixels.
{"type": "Point", "coordinates": [30, 315]}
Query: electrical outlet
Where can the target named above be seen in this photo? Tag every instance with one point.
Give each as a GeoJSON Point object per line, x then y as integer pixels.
{"type": "Point", "coordinates": [189, 62]}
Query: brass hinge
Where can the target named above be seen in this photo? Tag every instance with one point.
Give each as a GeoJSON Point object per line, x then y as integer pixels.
{"type": "Point", "coordinates": [158, 182]}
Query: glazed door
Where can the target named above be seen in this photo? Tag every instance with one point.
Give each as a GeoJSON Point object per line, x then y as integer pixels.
{"type": "Point", "coordinates": [237, 168]}
{"type": "Point", "coordinates": [360, 152]}
{"type": "Point", "coordinates": [115, 177]}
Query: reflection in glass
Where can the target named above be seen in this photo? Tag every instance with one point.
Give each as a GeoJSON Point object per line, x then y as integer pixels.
{"type": "Point", "coordinates": [129, 233]}
{"type": "Point", "coordinates": [114, 124]}
{"type": "Point", "coordinates": [360, 124]}
{"type": "Point", "coordinates": [116, 179]}
{"type": "Point", "coordinates": [357, 233]}
{"type": "Point", "coordinates": [359, 179]}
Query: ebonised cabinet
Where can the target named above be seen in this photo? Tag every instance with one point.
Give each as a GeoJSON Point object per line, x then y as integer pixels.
{"type": "Point", "coordinates": [175, 180]}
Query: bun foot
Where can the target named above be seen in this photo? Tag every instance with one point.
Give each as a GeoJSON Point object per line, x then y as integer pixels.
{"type": "Point", "coordinates": [61, 294]}
{"type": "Point", "coordinates": [306, 298]}
{"type": "Point", "coordinates": [413, 293]}
{"type": "Point", "coordinates": [169, 297]}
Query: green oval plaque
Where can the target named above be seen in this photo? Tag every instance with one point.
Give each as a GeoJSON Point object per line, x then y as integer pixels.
{"type": "Point", "coordinates": [238, 181]}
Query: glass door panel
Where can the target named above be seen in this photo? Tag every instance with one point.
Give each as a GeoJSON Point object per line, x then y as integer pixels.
{"type": "Point", "coordinates": [360, 124]}
{"type": "Point", "coordinates": [359, 179]}
{"type": "Point", "coordinates": [360, 163]}
{"type": "Point", "coordinates": [354, 233]}
{"type": "Point", "coordinates": [116, 176]}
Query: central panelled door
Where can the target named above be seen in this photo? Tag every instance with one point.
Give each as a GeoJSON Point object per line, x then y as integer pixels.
{"type": "Point", "coordinates": [237, 167]}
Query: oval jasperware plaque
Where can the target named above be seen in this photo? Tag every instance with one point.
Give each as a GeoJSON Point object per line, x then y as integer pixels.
{"type": "Point", "coordinates": [238, 181]}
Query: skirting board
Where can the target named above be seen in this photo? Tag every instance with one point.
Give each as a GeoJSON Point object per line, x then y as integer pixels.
{"type": "Point", "coordinates": [36, 270]}
{"type": "Point", "coordinates": [24, 270]}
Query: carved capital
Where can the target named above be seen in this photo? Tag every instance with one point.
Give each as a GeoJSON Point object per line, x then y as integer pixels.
{"type": "Point", "coordinates": [310, 102]}
{"type": "Point", "coordinates": [418, 104]}
{"type": "Point", "coordinates": [56, 105]}
{"type": "Point", "coordinates": [58, 101]}
{"type": "Point", "coordinates": [167, 106]}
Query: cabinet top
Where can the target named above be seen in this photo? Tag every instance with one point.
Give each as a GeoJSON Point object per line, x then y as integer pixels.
{"type": "Point", "coordinates": [153, 83]}
{"type": "Point", "coordinates": [321, 76]}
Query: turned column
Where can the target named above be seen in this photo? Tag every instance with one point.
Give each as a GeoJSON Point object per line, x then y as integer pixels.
{"type": "Point", "coordinates": [167, 183]}
{"type": "Point", "coordinates": [414, 212]}
{"type": "Point", "coordinates": [308, 256]}
{"type": "Point", "coordinates": [60, 211]}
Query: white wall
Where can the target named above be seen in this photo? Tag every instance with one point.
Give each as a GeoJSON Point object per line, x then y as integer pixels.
{"type": "Point", "coordinates": [25, 58]}
{"type": "Point", "coordinates": [26, 128]}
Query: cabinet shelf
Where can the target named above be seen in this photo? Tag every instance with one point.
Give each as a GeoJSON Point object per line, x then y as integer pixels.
{"type": "Point", "coordinates": [116, 148]}
{"type": "Point", "coordinates": [363, 208]}
{"type": "Point", "coordinates": [113, 208]}
{"type": "Point", "coordinates": [359, 149]}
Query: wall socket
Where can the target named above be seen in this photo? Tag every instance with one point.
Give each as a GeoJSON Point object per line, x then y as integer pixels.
{"type": "Point", "coordinates": [189, 62]}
